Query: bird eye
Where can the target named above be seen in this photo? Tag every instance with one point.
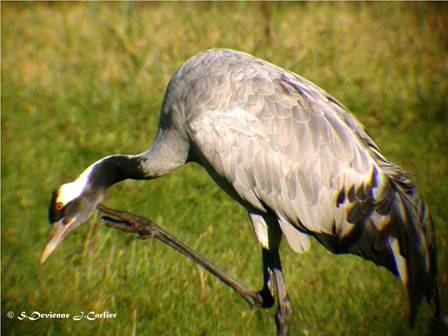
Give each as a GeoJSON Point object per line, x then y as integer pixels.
{"type": "Point", "coordinates": [59, 206]}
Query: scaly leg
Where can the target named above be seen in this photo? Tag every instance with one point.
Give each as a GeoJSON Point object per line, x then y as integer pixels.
{"type": "Point", "coordinates": [284, 311]}
{"type": "Point", "coordinates": [146, 228]}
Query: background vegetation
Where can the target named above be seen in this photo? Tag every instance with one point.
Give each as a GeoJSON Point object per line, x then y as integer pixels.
{"type": "Point", "coordinates": [84, 80]}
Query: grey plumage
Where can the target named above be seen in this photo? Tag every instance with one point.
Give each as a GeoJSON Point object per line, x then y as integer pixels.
{"type": "Point", "coordinates": [283, 147]}
{"type": "Point", "coordinates": [293, 156]}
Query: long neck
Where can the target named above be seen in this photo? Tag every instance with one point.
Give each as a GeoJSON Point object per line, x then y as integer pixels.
{"type": "Point", "coordinates": [168, 152]}
{"type": "Point", "coordinates": [115, 168]}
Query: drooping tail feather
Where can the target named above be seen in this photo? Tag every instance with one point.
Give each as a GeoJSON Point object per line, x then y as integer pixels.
{"type": "Point", "coordinates": [398, 232]}
{"type": "Point", "coordinates": [394, 230]}
{"type": "Point", "coordinates": [416, 239]}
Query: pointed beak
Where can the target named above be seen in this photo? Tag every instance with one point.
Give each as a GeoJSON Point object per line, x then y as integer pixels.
{"type": "Point", "coordinates": [58, 234]}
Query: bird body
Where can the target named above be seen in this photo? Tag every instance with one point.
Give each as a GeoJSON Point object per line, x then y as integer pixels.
{"type": "Point", "coordinates": [294, 157]}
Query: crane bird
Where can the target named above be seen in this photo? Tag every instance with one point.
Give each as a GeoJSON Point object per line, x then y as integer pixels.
{"type": "Point", "coordinates": [292, 155]}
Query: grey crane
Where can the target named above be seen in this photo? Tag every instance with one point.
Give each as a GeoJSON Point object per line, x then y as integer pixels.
{"type": "Point", "coordinates": [292, 155]}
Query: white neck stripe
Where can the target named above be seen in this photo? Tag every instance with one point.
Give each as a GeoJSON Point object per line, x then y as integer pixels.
{"type": "Point", "coordinates": [72, 190]}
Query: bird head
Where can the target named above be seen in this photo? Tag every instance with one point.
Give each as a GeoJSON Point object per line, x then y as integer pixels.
{"type": "Point", "coordinates": [70, 206]}
{"type": "Point", "coordinates": [73, 203]}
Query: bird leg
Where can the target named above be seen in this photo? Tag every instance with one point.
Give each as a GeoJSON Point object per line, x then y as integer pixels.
{"type": "Point", "coordinates": [274, 278]}
{"type": "Point", "coordinates": [284, 311]}
{"type": "Point", "coordinates": [267, 292]}
{"type": "Point", "coordinates": [146, 228]}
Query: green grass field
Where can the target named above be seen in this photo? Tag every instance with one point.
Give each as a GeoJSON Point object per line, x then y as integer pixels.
{"type": "Point", "coordinates": [85, 80]}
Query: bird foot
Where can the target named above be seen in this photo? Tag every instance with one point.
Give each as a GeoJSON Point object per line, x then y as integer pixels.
{"type": "Point", "coordinates": [128, 222]}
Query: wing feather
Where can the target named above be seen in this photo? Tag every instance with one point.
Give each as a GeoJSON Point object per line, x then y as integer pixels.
{"type": "Point", "coordinates": [286, 145]}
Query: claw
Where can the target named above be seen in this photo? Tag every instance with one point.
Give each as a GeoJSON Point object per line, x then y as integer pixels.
{"type": "Point", "coordinates": [125, 216]}
{"type": "Point", "coordinates": [130, 223]}
{"type": "Point", "coordinates": [118, 224]}
{"type": "Point", "coordinates": [131, 219]}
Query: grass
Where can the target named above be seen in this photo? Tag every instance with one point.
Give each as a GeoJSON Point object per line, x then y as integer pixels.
{"type": "Point", "coordinates": [84, 80]}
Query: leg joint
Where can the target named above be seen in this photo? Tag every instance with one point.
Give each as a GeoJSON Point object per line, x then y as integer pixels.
{"type": "Point", "coordinates": [266, 298]}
